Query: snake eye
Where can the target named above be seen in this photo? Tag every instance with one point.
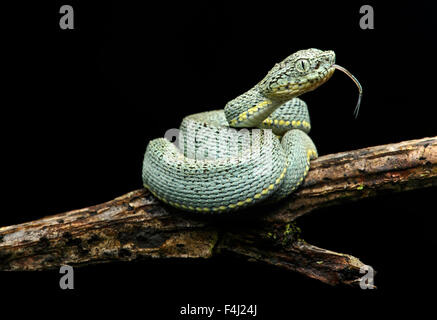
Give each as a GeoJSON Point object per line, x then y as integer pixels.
{"type": "Point", "coordinates": [302, 65]}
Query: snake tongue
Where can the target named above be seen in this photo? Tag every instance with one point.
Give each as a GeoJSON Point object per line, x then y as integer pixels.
{"type": "Point", "coordinates": [360, 89]}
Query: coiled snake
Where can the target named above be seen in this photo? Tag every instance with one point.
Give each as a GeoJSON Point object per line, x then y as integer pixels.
{"type": "Point", "coordinates": [212, 167]}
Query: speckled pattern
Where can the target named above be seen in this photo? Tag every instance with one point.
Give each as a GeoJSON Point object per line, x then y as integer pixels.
{"type": "Point", "coordinates": [214, 167]}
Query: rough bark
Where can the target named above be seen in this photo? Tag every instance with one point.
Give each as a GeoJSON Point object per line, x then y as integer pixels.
{"type": "Point", "coordinates": [137, 226]}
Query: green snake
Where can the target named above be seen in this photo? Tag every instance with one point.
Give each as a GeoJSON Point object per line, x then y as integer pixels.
{"type": "Point", "coordinates": [212, 167]}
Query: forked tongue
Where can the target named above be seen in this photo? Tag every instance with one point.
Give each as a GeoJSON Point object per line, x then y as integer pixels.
{"type": "Point", "coordinates": [360, 89]}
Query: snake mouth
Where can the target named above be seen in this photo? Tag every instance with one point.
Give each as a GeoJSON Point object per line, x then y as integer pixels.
{"type": "Point", "coordinates": [305, 84]}
{"type": "Point", "coordinates": [314, 81]}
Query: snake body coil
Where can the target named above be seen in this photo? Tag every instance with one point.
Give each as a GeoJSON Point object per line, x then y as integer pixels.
{"type": "Point", "coordinates": [212, 167]}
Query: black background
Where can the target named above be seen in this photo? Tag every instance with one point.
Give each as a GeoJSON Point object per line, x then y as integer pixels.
{"type": "Point", "coordinates": [79, 107]}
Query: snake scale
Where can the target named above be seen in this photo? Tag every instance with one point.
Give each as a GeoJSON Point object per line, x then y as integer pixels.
{"type": "Point", "coordinates": [212, 167]}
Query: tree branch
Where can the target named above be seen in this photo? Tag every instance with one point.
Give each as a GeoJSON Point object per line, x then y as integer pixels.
{"type": "Point", "coordinates": [137, 226]}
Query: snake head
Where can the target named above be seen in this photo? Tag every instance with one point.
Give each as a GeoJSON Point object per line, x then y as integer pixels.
{"type": "Point", "coordinates": [303, 71]}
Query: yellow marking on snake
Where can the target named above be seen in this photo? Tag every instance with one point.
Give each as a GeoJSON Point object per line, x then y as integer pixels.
{"type": "Point", "coordinates": [294, 123]}
{"type": "Point", "coordinates": [243, 116]}
{"type": "Point", "coordinates": [268, 121]}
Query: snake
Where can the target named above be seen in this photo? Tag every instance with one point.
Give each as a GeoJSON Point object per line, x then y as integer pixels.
{"type": "Point", "coordinates": [257, 149]}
